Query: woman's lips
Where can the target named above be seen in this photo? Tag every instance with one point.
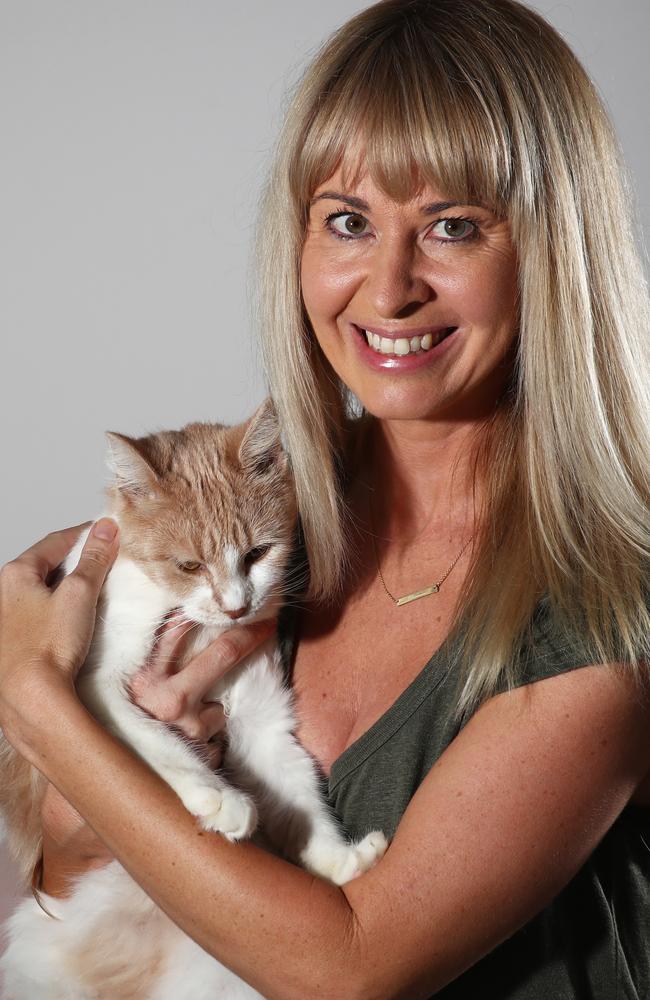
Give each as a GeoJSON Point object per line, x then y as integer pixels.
{"type": "Point", "coordinates": [416, 347]}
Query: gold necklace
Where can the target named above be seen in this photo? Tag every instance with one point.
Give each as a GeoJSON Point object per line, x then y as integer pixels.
{"type": "Point", "coordinates": [417, 594]}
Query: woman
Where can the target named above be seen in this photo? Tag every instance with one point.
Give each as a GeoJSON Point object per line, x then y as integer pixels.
{"type": "Point", "coordinates": [445, 236]}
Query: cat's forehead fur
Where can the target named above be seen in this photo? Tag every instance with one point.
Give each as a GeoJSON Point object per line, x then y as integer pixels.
{"type": "Point", "coordinates": [194, 493]}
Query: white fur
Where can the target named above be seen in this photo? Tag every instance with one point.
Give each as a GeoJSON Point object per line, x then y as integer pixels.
{"type": "Point", "coordinates": [234, 593]}
{"type": "Point", "coordinates": [138, 954]}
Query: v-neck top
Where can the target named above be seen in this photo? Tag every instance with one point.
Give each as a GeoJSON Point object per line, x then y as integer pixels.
{"type": "Point", "coordinates": [592, 942]}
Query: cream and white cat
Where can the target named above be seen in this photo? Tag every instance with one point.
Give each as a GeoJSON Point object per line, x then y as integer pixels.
{"type": "Point", "coordinates": [207, 521]}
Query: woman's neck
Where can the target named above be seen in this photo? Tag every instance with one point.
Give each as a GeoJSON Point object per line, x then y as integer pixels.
{"type": "Point", "coordinates": [419, 479]}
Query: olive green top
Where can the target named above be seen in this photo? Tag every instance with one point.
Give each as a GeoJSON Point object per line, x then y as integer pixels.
{"type": "Point", "coordinates": [593, 941]}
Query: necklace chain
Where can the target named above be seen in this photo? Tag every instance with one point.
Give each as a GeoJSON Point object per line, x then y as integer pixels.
{"type": "Point", "coordinates": [417, 594]}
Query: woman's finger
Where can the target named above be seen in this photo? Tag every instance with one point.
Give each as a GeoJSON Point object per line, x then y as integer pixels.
{"type": "Point", "coordinates": [168, 647]}
{"type": "Point", "coordinates": [203, 671]}
{"type": "Point", "coordinates": [49, 552]}
{"type": "Point", "coordinates": [97, 557]}
{"type": "Point", "coordinates": [202, 725]}
{"type": "Point", "coordinates": [212, 719]}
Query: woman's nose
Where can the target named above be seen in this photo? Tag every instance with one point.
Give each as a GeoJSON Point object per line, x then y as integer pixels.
{"type": "Point", "coordinates": [395, 280]}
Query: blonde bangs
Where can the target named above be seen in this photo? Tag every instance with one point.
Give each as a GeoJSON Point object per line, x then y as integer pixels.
{"type": "Point", "coordinates": [393, 113]}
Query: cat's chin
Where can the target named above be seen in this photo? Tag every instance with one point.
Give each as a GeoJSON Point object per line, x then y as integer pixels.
{"type": "Point", "coordinates": [208, 622]}
{"type": "Point", "coordinates": [221, 622]}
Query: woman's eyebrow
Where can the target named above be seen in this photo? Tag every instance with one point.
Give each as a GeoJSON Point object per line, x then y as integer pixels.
{"type": "Point", "coordinates": [337, 196]}
{"type": "Point", "coordinates": [432, 209]}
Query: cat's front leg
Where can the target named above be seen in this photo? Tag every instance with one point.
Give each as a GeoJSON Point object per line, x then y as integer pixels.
{"type": "Point", "coordinates": [218, 806]}
{"type": "Point", "coordinates": [285, 779]}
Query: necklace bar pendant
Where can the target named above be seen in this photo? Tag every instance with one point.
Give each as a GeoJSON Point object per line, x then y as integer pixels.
{"type": "Point", "coordinates": [433, 589]}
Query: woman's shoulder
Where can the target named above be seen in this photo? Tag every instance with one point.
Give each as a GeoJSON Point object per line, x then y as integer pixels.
{"type": "Point", "coordinates": [556, 641]}
{"type": "Point", "coordinates": [552, 644]}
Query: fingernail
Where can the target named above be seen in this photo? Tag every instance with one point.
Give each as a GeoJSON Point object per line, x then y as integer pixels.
{"type": "Point", "coordinates": [105, 529]}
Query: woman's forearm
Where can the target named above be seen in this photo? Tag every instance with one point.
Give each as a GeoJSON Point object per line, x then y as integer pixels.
{"type": "Point", "coordinates": [239, 903]}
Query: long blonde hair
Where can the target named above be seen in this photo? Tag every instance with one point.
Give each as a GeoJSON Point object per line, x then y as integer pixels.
{"type": "Point", "coordinates": [482, 99]}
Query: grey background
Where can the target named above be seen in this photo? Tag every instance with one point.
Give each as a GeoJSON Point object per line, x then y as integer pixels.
{"type": "Point", "coordinates": [135, 136]}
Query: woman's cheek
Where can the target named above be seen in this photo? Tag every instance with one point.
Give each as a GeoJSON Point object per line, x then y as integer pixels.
{"type": "Point", "coordinates": [327, 286]}
{"type": "Point", "coordinates": [489, 296]}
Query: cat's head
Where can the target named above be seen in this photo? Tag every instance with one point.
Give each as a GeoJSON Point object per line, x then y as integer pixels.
{"type": "Point", "coordinates": [209, 513]}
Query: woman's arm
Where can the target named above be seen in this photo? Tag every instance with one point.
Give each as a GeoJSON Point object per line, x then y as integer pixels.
{"type": "Point", "coordinates": [504, 819]}
{"type": "Point", "coordinates": [70, 847]}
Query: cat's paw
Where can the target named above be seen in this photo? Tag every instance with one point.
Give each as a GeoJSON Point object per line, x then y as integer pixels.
{"type": "Point", "coordinates": [340, 863]}
{"type": "Point", "coordinates": [370, 850]}
{"type": "Point", "coordinates": [224, 810]}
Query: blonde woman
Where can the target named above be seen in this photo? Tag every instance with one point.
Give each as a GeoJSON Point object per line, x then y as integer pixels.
{"type": "Point", "coordinates": [447, 248]}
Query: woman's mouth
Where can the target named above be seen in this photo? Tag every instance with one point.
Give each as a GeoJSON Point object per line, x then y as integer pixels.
{"type": "Point", "coordinates": [419, 348]}
{"type": "Point", "coordinates": [402, 346]}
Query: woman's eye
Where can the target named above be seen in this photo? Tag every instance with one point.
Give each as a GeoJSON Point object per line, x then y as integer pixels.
{"type": "Point", "coordinates": [190, 567]}
{"type": "Point", "coordinates": [455, 229]}
{"type": "Point", "coordinates": [347, 224]}
{"type": "Point", "coordinates": [254, 555]}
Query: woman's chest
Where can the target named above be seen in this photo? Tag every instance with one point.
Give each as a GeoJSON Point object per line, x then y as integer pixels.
{"type": "Point", "coordinates": [351, 666]}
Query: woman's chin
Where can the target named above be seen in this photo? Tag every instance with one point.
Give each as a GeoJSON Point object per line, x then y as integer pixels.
{"type": "Point", "coordinates": [402, 403]}
{"type": "Point", "coordinates": [399, 406]}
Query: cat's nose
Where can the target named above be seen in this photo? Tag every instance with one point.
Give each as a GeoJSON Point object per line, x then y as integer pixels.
{"type": "Point", "coordinates": [236, 613]}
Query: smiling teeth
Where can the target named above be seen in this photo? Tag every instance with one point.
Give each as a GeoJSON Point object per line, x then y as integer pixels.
{"type": "Point", "coordinates": [402, 346]}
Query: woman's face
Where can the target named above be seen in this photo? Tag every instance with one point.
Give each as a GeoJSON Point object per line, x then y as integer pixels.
{"type": "Point", "coordinates": [434, 284]}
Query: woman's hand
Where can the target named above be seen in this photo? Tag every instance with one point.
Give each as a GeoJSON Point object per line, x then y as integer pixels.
{"type": "Point", "coordinates": [177, 696]}
{"type": "Point", "coordinates": [45, 632]}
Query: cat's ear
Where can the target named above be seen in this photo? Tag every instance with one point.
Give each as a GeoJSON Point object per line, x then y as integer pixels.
{"type": "Point", "coordinates": [134, 475]}
{"type": "Point", "coordinates": [261, 448]}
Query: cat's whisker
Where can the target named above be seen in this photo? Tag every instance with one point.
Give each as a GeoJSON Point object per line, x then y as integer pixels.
{"type": "Point", "coordinates": [190, 628]}
{"type": "Point", "coordinates": [298, 576]}
{"type": "Point", "coordinates": [174, 615]}
{"type": "Point", "coordinates": [123, 623]}
{"type": "Point", "coordinates": [286, 592]}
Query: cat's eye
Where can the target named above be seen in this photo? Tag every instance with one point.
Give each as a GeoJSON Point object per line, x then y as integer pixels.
{"type": "Point", "coordinates": [190, 566]}
{"type": "Point", "coordinates": [253, 555]}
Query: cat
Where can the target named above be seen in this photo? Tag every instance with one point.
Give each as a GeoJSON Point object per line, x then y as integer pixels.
{"type": "Point", "coordinates": [207, 521]}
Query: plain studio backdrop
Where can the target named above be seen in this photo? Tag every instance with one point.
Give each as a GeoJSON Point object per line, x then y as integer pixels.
{"type": "Point", "coordinates": [135, 139]}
